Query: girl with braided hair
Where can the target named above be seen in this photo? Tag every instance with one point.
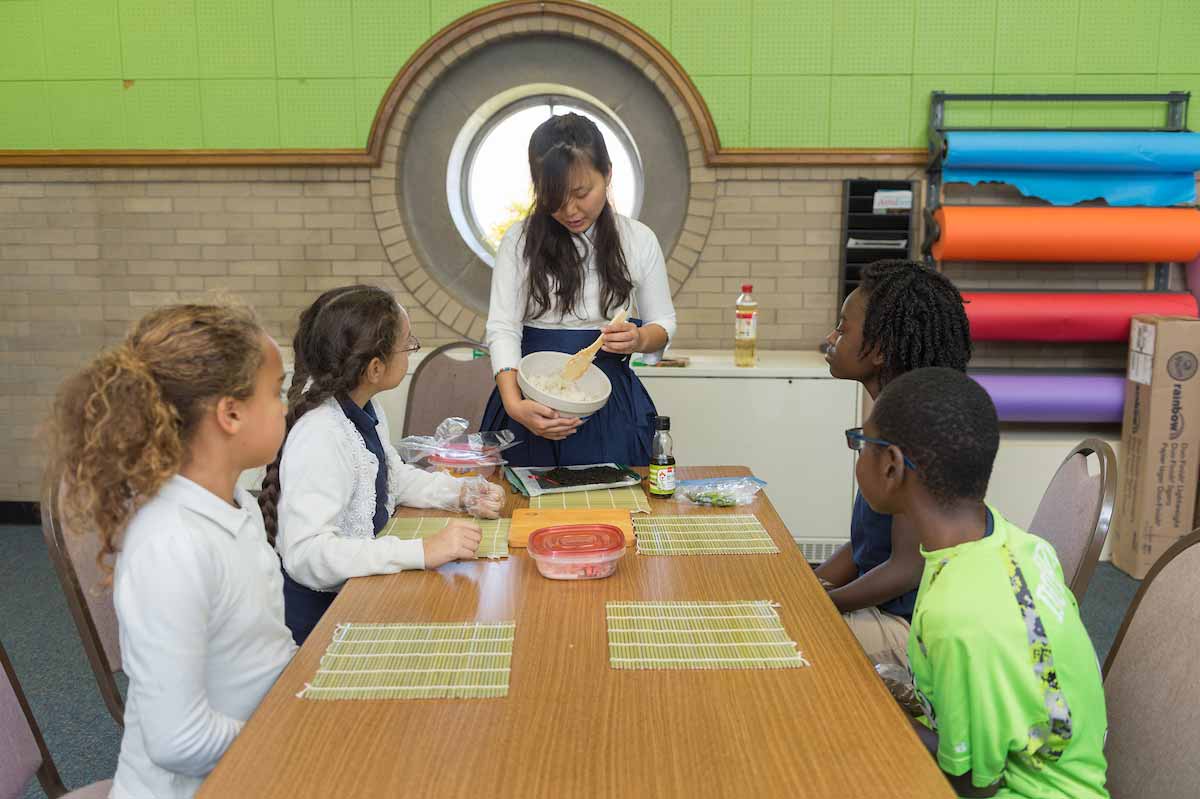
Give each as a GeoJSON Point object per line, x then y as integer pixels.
{"type": "Point", "coordinates": [146, 443]}
{"type": "Point", "coordinates": [904, 316]}
{"type": "Point", "coordinates": [338, 479]}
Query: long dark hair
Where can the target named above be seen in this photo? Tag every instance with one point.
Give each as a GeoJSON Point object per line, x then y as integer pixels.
{"type": "Point", "coordinates": [560, 145]}
{"type": "Point", "coordinates": [339, 335]}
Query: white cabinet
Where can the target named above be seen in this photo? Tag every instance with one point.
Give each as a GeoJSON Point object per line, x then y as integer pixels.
{"type": "Point", "coordinates": [788, 431]}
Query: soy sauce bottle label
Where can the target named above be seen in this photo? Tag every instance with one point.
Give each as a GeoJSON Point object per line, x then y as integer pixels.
{"type": "Point", "coordinates": [662, 479]}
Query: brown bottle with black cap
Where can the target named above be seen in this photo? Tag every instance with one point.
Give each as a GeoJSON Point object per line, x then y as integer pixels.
{"type": "Point", "coordinates": [662, 459]}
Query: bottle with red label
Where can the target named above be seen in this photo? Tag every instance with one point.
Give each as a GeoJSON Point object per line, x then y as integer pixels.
{"type": "Point", "coordinates": [745, 334]}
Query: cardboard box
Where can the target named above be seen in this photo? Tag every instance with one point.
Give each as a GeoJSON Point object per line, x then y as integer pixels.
{"type": "Point", "coordinates": [1160, 441]}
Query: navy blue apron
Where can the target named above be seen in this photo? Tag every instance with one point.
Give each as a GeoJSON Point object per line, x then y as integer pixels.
{"type": "Point", "coordinates": [620, 432]}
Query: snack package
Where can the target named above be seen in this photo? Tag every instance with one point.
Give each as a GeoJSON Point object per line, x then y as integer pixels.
{"type": "Point", "coordinates": [720, 492]}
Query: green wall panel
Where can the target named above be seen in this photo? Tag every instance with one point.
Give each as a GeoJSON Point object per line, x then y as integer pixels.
{"type": "Point", "coordinates": [1036, 36]}
{"type": "Point", "coordinates": [729, 103]}
{"type": "Point", "coordinates": [869, 110]}
{"type": "Point", "coordinates": [789, 111]}
{"type": "Point", "coordinates": [22, 53]}
{"type": "Point", "coordinates": [712, 37]}
{"type": "Point", "coordinates": [368, 94]}
{"type": "Point", "coordinates": [1112, 34]}
{"type": "Point", "coordinates": [956, 37]}
{"type": "Point", "coordinates": [236, 38]}
{"type": "Point", "coordinates": [87, 113]}
{"type": "Point", "coordinates": [163, 114]}
{"type": "Point", "coordinates": [158, 38]}
{"type": "Point", "coordinates": [872, 37]}
{"type": "Point", "coordinates": [792, 38]}
{"type": "Point", "coordinates": [314, 39]}
{"type": "Point", "coordinates": [316, 113]}
{"type": "Point", "coordinates": [386, 34]}
{"type": "Point", "coordinates": [775, 73]}
{"type": "Point", "coordinates": [29, 129]}
{"type": "Point", "coordinates": [446, 11]}
{"type": "Point", "coordinates": [652, 17]}
{"type": "Point", "coordinates": [83, 39]}
{"type": "Point", "coordinates": [1180, 37]}
{"type": "Point", "coordinates": [240, 113]}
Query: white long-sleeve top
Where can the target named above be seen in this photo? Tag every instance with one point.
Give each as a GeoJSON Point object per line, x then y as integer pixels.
{"type": "Point", "coordinates": [199, 601]}
{"type": "Point", "coordinates": [510, 288]}
{"type": "Point", "coordinates": [326, 532]}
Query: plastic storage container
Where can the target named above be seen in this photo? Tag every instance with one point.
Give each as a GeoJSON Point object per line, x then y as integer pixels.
{"type": "Point", "coordinates": [577, 551]}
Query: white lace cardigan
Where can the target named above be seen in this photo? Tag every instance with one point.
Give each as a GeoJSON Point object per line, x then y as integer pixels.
{"type": "Point", "coordinates": [327, 502]}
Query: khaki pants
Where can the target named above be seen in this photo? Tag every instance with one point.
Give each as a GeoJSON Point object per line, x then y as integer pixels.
{"type": "Point", "coordinates": [883, 637]}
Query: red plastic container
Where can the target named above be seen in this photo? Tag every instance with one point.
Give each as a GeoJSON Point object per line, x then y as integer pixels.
{"type": "Point", "coordinates": [577, 551]}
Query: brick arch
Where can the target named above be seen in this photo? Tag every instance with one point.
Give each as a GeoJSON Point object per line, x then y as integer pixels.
{"type": "Point", "coordinates": [505, 21]}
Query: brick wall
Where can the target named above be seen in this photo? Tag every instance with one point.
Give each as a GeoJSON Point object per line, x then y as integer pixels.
{"type": "Point", "coordinates": [84, 252]}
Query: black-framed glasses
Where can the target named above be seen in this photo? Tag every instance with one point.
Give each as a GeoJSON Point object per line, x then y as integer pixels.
{"type": "Point", "coordinates": [855, 440]}
{"type": "Point", "coordinates": [412, 345]}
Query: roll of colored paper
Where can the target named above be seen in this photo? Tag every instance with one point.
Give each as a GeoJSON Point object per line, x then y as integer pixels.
{"type": "Point", "coordinates": [1067, 167]}
{"type": "Point", "coordinates": [1066, 316]}
{"type": "Point", "coordinates": [1074, 151]}
{"type": "Point", "coordinates": [1078, 235]}
{"type": "Point", "coordinates": [1193, 278]}
{"type": "Point", "coordinates": [1093, 398]}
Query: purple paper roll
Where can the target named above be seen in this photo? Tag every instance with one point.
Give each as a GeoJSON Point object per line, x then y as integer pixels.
{"type": "Point", "coordinates": [1072, 399]}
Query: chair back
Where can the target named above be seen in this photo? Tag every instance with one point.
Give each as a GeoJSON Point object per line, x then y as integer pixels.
{"type": "Point", "coordinates": [1151, 684]}
{"type": "Point", "coordinates": [1076, 511]}
{"type": "Point", "coordinates": [23, 753]}
{"type": "Point", "coordinates": [89, 598]}
{"type": "Point", "coordinates": [448, 382]}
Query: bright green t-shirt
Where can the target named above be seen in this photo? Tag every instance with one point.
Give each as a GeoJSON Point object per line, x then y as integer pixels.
{"type": "Point", "coordinates": [1005, 668]}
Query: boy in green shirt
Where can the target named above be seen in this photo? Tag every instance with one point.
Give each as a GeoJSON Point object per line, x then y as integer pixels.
{"type": "Point", "coordinates": [999, 657]}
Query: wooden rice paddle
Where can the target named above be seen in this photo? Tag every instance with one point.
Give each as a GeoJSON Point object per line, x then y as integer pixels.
{"type": "Point", "coordinates": [578, 364]}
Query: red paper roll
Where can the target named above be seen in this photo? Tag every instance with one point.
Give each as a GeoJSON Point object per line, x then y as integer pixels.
{"type": "Point", "coordinates": [1049, 316]}
{"type": "Point", "coordinates": [1079, 235]}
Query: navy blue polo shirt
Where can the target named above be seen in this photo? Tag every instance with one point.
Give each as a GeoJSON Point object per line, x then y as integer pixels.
{"type": "Point", "coordinates": [366, 422]}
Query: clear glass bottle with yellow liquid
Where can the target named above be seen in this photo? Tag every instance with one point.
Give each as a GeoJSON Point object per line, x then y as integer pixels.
{"type": "Point", "coordinates": [745, 335]}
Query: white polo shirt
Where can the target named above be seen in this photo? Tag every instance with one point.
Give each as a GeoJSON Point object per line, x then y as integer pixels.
{"type": "Point", "coordinates": [651, 298]}
{"type": "Point", "coordinates": [199, 599]}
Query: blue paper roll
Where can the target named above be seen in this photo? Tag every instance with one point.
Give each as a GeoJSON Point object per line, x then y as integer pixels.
{"type": "Point", "coordinates": [1066, 167]}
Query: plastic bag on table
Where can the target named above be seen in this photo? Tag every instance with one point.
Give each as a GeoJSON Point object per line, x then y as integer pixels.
{"type": "Point", "coordinates": [720, 492]}
{"type": "Point", "coordinates": [899, 682]}
{"type": "Point", "coordinates": [452, 450]}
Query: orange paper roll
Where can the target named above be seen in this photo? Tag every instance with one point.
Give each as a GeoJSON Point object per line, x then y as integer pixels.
{"type": "Point", "coordinates": [1080, 235]}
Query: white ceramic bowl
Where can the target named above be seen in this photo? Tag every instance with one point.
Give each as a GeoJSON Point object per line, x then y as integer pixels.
{"type": "Point", "coordinates": [593, 382]}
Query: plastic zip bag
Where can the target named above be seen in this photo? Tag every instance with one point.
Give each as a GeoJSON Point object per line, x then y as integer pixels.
{"type": "Point", "coordinates": [720, 492]}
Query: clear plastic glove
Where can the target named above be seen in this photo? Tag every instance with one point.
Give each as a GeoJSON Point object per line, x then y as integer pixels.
{"type": "Point", "coordinates": [458, 540]}
{"type": "Point", "coordinates": [899, 682]}
{"type": "Point", "coordinates": [481, 498]}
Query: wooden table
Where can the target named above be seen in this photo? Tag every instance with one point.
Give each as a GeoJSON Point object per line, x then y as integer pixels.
{"type": "Point", "coordinates": [572, 726]}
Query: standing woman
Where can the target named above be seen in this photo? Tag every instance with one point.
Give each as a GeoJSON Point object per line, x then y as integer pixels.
{"type": "Point", "coordinates": [560, 276]}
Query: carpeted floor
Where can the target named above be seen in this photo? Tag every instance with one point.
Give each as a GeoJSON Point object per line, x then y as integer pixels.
{"type": "Point", "coordinates": [40, 638]}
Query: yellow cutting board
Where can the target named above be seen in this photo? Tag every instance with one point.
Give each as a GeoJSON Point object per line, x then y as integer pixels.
{"type": "Point", "coordinates": [526, 520]}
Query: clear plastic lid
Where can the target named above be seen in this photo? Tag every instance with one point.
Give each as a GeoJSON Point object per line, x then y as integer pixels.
{"type": "Point", "coordinates": [576, 542]}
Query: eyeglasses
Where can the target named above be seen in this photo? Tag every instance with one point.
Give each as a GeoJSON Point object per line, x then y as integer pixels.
{"type": "Point", "coordinates": [413, 345]}
{"type": "Point", "coordinates": [855, 440]}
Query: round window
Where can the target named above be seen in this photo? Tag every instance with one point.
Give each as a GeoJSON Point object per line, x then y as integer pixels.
{"type": "Point", "coordinates": [488, 184]}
